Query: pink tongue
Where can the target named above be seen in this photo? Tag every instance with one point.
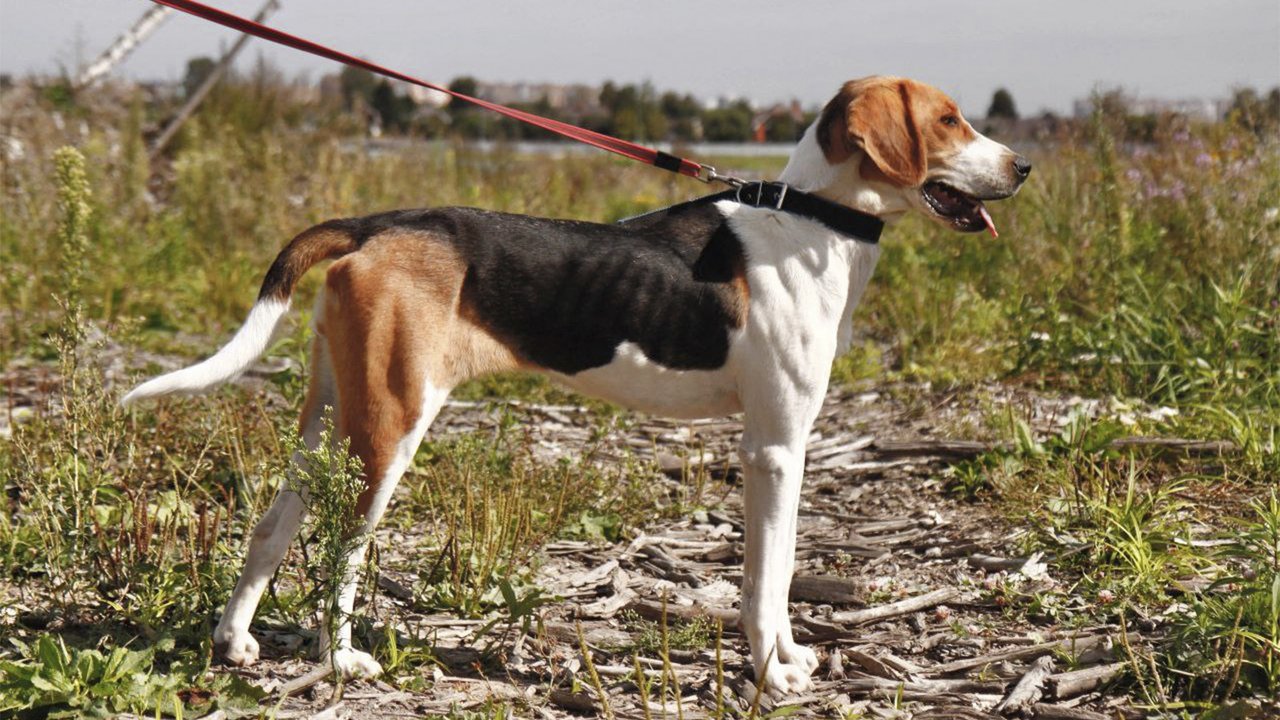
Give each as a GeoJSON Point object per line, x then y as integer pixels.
{"type": "Point", "coordinates": [986, 218]}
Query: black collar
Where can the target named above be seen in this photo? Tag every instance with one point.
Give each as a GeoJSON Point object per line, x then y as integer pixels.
{"type": "Point", "coordinates": [779, 196]}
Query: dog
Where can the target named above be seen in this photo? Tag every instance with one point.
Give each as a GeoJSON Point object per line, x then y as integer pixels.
{"type": "Point", "coordinates": [731, 305]}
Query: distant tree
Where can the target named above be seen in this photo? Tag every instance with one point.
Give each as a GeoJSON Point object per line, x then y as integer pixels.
{"type": "Point", "coordinates": [198, 70]}
{"type": "Point", "coordinates": [627, 97]}
{"type": "Point", "coordinates": [679, 107]}
{"type": "Point", "coordinates": [683, 113]}
{"type": "Point", "coordinates": [466, 85]}
{"type": "Point", "coordinates": [656, 124]}
{"type": "Point", "coordinates": [728, 124]}
{"type": "Point", "coordinates": [783, 128]}
{"type": "Point", "coordinates": [394, 109]}
{"type": "Point", "coordinates": [608, 96]}
{"type": "Point", "coordinates": [357, 86]}
{"type": "Point", "coordinates": [464, 121]}
{"type": "Point", "coordinates": [1002, 105]}
{"type": "Point", "coordinates": [1253, 111]}
{"type": "Point", "coordinates": [627, 123]}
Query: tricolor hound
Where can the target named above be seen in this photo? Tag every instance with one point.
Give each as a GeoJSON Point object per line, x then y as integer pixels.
{"type": "Point", "coordinates": [703, 309]}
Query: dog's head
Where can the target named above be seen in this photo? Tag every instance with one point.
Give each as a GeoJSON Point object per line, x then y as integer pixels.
{"type": "Point", "coordinates": [897, 144]}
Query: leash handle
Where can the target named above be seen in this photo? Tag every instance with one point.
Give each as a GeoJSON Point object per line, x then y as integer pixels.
{"type": "Point", "coordinates": [639, 153]}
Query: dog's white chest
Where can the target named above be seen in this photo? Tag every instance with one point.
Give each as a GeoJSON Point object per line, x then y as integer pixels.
{"type": "Point", "coordinates": [634, 381]}
{"type": "Point", "coordinates": [806, 282]}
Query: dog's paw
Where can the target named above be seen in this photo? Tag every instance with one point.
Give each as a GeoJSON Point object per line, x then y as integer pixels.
{"type": "Point", "coordinates": [240, 650]}
{"type": "Point", "coordinates": [355, 664]}
{"type": "Point", "coordinates": [793, 654]}
{"type": "Point", "coordinates": [782, 679]}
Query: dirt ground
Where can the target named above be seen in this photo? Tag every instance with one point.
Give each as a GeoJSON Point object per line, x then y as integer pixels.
{"type": "Point", "coordinates": [894, 586]}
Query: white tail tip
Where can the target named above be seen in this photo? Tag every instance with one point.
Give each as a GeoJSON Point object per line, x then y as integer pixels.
{"type": "Point", "coordinates": [250, 341]}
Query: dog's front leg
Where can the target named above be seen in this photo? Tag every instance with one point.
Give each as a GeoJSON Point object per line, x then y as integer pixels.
{"type": "Point", "coordinates": [773, 471]}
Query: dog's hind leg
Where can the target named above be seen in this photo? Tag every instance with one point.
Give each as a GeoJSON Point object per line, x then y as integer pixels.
{"type": "Point", "coordinates": [275, 531]}
{"type": "Point", "coordinates": [388, 324]}
{"type": "Point", "coordinates": [384, 467]}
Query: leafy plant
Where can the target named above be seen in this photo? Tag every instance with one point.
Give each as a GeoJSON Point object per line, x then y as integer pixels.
{"type": "Point", "coordinates": [56, 681]}
{"type": "Point", "coordinates": [329, 478]}
{"type": "Point", "coordinates": [648, 636]}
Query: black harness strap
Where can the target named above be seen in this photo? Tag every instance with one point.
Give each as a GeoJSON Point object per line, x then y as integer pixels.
{"type": "Point", "coordinates": [846, 221]}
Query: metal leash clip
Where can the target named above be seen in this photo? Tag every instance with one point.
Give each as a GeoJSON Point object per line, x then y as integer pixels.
{"type": "Point", "coordinates": [708, 174]}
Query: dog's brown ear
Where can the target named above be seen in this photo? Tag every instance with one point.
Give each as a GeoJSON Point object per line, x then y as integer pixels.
{"type": "Point", "coordinates": [875, 115]}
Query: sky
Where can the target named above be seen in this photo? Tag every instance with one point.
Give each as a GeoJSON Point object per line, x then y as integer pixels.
{"type": "Point", "coordinates": [1045, 53]}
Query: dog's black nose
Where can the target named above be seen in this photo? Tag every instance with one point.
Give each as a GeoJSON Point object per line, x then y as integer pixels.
{"type": "Point", "coordinates": [1022, 166]}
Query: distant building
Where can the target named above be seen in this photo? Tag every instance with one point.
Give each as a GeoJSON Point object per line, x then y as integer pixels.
{"type": "Point", "coordinates": [1192, 108]}
{"type": "Point", "coordinates": [573, 100]}
{"type": "Point", "coordinates": [426, 96]}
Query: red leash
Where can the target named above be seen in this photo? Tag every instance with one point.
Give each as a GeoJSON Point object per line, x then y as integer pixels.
{"type": "Point", "coordinates": [640, 153]}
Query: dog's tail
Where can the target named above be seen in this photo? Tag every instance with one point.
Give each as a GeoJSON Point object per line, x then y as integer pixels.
{"type": "Point", "coordinates": [323, 242]}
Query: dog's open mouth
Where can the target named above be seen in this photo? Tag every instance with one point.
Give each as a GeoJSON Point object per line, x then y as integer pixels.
{"type": "Point", "coordinates": [966, 213]}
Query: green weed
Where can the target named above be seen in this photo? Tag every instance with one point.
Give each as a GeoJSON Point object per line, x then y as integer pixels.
{"type": "Point", "coordinates": [1227, 644]}
{"type": "Point", "coordinates": [48, 679]}
{"type": "Point", "coordinates": [329, 479]}
{"type": "Point", "coordinates": [648, 636]}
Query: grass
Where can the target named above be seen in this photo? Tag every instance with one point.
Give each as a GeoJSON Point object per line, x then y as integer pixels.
{"type": "Point", "coordinates": [495, 504]}
{"type": "Point", "coordinates": [1143, 273]}
{"type": "Point", "coordinates": [1131, 530]}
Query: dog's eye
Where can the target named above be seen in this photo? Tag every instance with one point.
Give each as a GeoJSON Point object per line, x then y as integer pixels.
{"type": "Point", "coordinates": [950, 120]}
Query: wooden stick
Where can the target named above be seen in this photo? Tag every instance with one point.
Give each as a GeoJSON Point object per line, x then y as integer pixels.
{"type": "Point", "coordinates": [1042, 711]}
{"type": "Point", "coordinates": [950, 449]}
{"type": "Point", "coordinates": [1176, 446]}
{"type": "Point", "coordinates": [825, 589]}
{"type": "Point", "coordinates": [321, 672]}
{"type": "Point", "coordinates": [996, 563]}
{"type": "Point", "coordinates": [1078, 682]}
{"type": "Point", "coordinates": [871, 664]}
{"type": "Point", "coordinates": [653, 611]}
{"type": "Point", "coordinates": [197, 97]}
{"type": "Point", "coordinates": [574, 701]}
{"type": "Point", "coordinates": [1077, 645]}
{"type": "Point", "coordinates": [1029, 689]}
{"type": "Point", "coordinates": [894, 609]}
{"type": "Point", "coordinates": [124, 45]}
{"type": "Point", "coordinates": [870, 684]}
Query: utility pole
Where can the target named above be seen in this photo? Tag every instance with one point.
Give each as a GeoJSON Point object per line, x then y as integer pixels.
{"type": "Point", "coordinates": [123, 45]}
{"type": "Point", "coordinates": [197, 97]}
